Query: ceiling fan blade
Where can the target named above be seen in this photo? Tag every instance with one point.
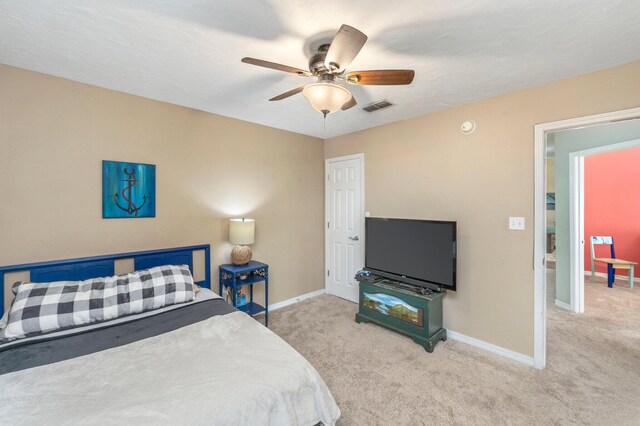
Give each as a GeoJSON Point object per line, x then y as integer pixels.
{"type": "Point", "coordinates": [380, 77]}
{"type": "Point", "coordinates": [287, 94]}
{"type": "Point", "coordinates": [344, 48]}
{"type": "Point", "coordinates": [350, 103]}
{"type": "Point", "coordinates": [275, 66]}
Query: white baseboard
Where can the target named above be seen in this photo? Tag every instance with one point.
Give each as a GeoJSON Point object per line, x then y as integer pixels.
{"type": "Point", "coordinates": [297, 299]}
{"type": "Point", "coordinates": [507, 353]}
{"type": "Point", "coordinates": [561, 304]}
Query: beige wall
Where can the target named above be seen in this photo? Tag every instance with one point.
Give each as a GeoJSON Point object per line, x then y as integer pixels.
{"type": "Point", "coordinates": [425, 168]}
{"type": "Point", "coordinates": [54, 133]}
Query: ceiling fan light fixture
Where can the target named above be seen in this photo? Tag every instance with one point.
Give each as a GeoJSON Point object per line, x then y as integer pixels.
{"type": "Point", "coordinates": [328, 62]}
{"type": "Point", "coordinates": [326, 97]}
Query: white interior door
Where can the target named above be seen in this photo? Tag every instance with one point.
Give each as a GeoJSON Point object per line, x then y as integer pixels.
{"type": "Point", "coordinates": [344, 238]}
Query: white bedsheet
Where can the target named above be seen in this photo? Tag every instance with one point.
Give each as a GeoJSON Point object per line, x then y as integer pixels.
{"type": "Point", "coordinates": [226, 370]}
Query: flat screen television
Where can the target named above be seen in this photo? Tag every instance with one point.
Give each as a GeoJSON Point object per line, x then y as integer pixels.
{"type": "Point", "coordinates": [417, 252]}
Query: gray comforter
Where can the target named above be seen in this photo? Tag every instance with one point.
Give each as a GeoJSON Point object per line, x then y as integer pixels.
{"type": "Point", "coordinates": [224, 369]}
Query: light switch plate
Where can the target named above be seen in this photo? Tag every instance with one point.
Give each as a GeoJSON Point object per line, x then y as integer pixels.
{"type": "Point", "coordinates": [367, 214]}
{"type": "Point", "coordinates": [516, 223]}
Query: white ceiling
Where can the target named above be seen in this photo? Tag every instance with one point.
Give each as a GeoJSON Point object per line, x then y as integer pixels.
{"type": "Point", "coordinates": [188, 52]}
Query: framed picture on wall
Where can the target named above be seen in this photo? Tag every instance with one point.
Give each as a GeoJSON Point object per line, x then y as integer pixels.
{"type": "Point", "coordinates": [128, 190]}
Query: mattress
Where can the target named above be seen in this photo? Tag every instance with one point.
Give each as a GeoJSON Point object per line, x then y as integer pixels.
{"type": "Point", "coordinates": [201, 363]}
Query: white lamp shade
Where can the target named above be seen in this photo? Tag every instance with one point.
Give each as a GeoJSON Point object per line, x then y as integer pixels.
{"type": "Point", "coordinates": [326, 96]}
{"type": "Point", "coordinates": [242, 231]}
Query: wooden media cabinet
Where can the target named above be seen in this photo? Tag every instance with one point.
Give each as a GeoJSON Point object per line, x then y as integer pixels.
{"type": "Point", "coordinates": [402, 309]}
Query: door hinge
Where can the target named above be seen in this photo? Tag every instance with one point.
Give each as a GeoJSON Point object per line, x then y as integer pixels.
{"type": "Point", "coordinates": [328, 225]}
{"type": "Point", "coordinates": [328, 273]}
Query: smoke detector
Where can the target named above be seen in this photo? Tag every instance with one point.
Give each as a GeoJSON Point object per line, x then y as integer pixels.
{"type": "Point", "coordinates": [468, 127]}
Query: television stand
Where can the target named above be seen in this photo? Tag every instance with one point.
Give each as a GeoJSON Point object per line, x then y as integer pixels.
{"type": "Point", "coordinates": [403, 308]}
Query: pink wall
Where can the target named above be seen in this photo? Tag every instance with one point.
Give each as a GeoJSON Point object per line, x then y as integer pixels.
{"type": "Point", "coordinates": [612, 205]}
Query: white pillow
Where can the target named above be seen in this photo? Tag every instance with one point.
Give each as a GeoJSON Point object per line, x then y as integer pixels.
{"type": "Point", "coordinates": [45, 307]}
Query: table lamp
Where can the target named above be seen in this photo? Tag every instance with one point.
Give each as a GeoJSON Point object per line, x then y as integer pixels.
{"type": "Point", "coordinates": [241, 233]}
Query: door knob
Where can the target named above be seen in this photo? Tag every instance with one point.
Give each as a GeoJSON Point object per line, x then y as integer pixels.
{"type": "Point", "coordinates": [356, 238]}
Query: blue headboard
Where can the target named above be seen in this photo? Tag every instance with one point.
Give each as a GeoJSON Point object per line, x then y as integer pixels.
{"type": "Point", "coordinates": [85, 268]}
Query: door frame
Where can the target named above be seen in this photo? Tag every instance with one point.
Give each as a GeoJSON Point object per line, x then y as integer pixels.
{"type": "Point", "coordinates": [327, 162]}
{"type": "Point", "coordinates": [540, 219]}
{"type": "Point", "coordinates": [576, 212]}
{"type": "Point", "coordinates": [576, 232]}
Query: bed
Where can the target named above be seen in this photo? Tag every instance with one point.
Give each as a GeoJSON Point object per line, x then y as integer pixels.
{"type": "Point", "coordinates": [198, 362]}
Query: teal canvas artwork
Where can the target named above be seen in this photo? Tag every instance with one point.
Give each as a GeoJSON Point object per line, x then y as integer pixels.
{"type": "Point", "coordinates": [128, 190]}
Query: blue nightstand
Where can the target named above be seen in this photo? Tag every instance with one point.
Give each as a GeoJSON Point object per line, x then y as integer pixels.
{"type": "Point", "coordinates": [255, 272]}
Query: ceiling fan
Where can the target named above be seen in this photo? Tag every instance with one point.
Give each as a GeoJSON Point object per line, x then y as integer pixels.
{"type": "Point", "coordinates": [329, 65]}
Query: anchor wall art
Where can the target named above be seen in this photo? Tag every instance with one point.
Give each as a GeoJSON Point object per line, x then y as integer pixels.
{"type": "Point", "coordinates": [128, 190]}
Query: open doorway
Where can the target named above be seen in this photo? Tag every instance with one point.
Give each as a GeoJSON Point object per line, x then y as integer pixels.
{"type": "Point", "coordinates": [566, 137]}
{"type": "Point", "coordinates": [571, 146]}
{"type": "Point", "coordinates": [605, 205]}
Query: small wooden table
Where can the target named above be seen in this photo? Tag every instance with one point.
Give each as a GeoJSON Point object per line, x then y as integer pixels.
{"type": "Point", "coordinates": [616, 264]}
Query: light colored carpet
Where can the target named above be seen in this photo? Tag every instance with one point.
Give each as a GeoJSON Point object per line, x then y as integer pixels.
{"type": "Point", "coordinates": [379, 377]}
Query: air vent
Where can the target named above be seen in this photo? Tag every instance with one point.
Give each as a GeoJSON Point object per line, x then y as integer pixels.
{"type": "Point", "coordinates": [375, 106]}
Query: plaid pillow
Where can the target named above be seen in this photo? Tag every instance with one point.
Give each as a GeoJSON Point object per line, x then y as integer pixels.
{"type": "Point", "coordinates": [44, 307]}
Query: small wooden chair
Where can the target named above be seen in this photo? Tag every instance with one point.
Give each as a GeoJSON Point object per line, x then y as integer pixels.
{"type": "Point", "coordinates": [611, 262]}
